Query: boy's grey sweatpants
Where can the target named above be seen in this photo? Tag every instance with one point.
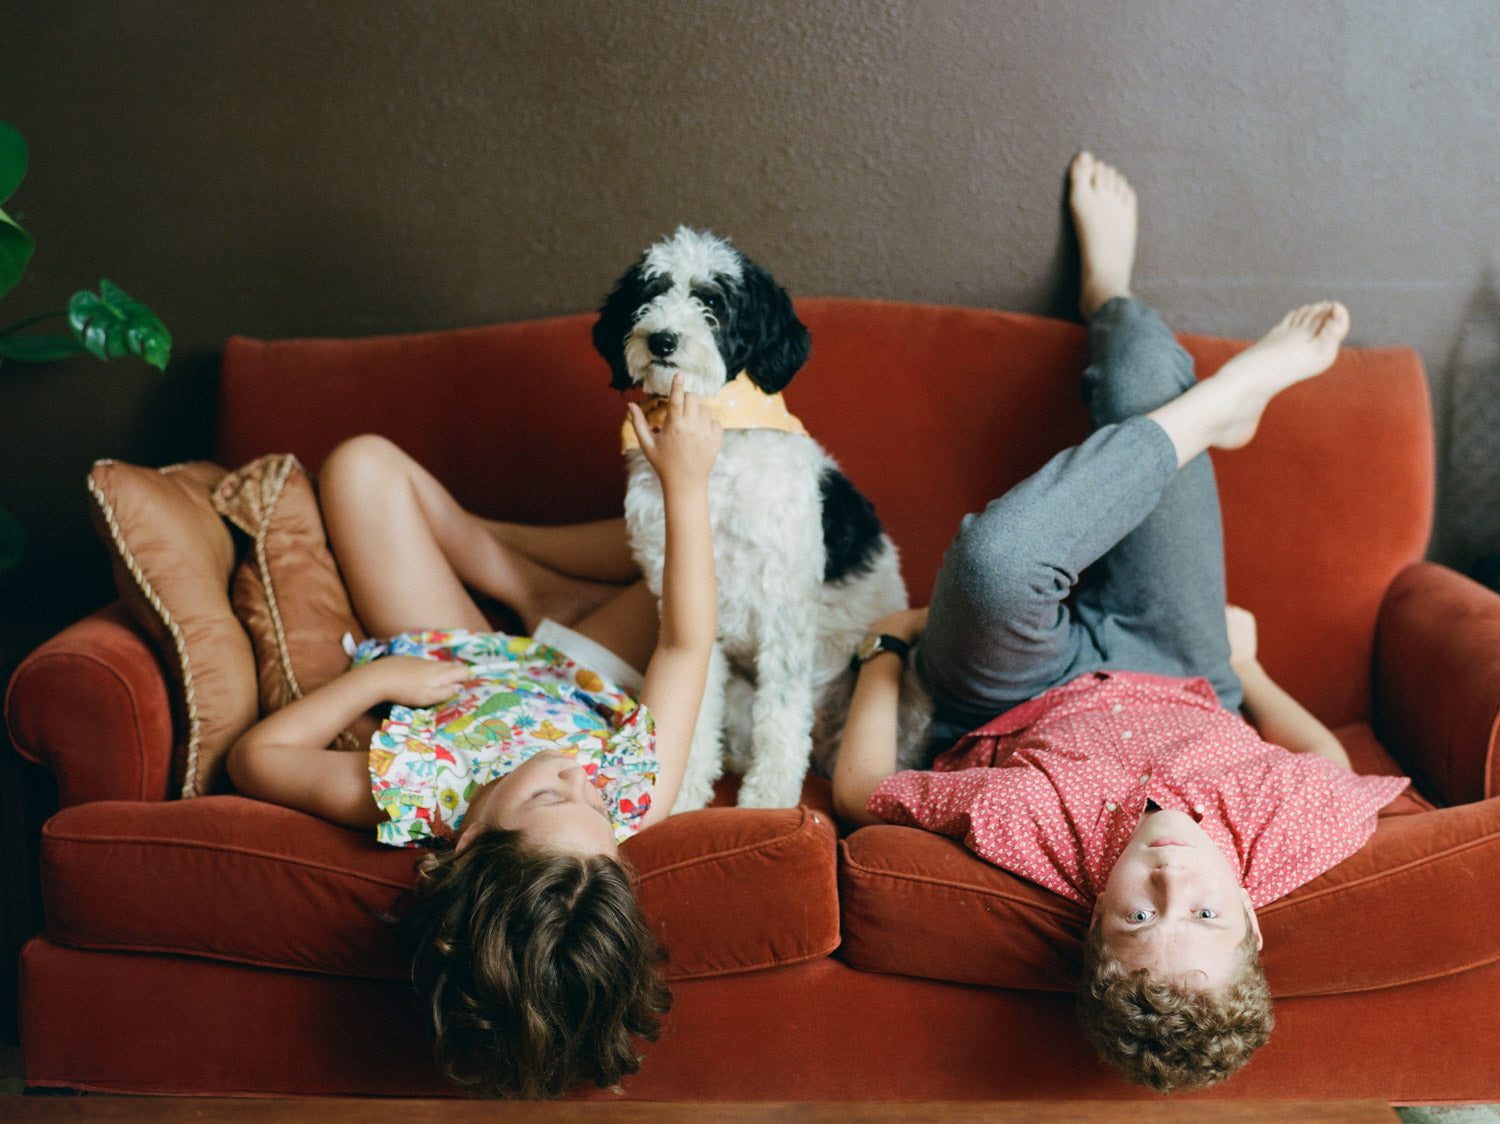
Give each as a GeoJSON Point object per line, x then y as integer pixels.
{"type": "Point", "coordinates": [998, 630]}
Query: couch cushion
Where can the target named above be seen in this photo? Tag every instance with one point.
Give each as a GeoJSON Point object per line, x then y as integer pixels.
{"type": "Point", "coordinates": [287, 590]}
{"type": "Point", "coordinates": [1406, 907]}
{"type": "Point", "coordinates": [1418, 902]}
{"type": "Point", "coordinates": [233, 879]}
{"type": "Point", "coordinates": [732, 890]}
{"type": "Point", "coordinates": [918, 904]}
{"type": "Point", "coordinates": [172, 556]}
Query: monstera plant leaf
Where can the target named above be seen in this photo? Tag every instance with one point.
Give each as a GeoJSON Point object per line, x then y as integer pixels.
{"type": "Point", "coordinates": [110, 324]}
{"type": "Point", "coordinates": [15, 243]}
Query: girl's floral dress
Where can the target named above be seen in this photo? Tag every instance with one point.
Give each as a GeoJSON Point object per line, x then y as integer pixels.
{"type": "Point", "coordinates": [524, 697]}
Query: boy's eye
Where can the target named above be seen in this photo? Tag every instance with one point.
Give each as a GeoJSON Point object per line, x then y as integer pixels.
{"type": "Point", "coordinates": [1204, 914]}
{"type": "Point", "coordinates": [1140, 915]}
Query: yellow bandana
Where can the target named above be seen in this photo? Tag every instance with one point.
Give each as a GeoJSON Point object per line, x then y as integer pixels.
{"type": "Point", "coordinates": [740, 405]}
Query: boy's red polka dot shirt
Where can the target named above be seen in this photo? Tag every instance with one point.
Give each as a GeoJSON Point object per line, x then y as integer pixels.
{"type": "Point", "coordinates": [1052, 789]}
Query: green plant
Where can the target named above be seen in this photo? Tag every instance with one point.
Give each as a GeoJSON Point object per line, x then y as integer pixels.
{"type": "Point", "coordinates": [107, 324]}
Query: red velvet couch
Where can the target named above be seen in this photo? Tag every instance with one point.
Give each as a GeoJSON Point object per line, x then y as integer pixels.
{"type": "Point", "coordinates": [218, 945]}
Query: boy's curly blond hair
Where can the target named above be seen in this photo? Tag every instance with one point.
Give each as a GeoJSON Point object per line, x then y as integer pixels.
{"type": "Point", "coordinates": [1165, 1036]}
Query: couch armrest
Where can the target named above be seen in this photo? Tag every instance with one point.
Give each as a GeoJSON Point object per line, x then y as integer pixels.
{"type": "Point", "coordinates": [92, 705]}
{"type": "Point", "coordinates": [1437, 680]}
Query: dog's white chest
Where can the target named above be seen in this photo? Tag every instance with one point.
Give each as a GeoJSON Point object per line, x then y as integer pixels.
{"type": "Point", "coordinates": [766, 515]}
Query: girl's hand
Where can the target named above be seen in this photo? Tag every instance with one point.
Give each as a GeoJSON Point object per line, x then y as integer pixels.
{"type": "Point", "coordinates": [1242, 640]}
{"type": "Point", "coordinates": [415, 682]}
{"type": "Point", "coordinates": [684, 448]}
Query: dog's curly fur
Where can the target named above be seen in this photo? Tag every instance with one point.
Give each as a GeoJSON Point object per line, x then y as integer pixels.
{"type": "Point", "coordinates": [803, 564]}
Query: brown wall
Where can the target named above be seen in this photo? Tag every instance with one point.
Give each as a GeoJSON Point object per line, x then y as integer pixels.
{"type": "Point", "coordinates": [294, 167]}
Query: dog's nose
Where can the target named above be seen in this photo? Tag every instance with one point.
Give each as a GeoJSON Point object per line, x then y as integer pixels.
{"type": "Point", "coordinates": [662, 344]}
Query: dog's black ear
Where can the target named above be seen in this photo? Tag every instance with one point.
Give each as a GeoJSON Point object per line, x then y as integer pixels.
{"type": "Point", "coordinates": [616, 315]}
{"type": "Point", "coordinates": [777, 342]}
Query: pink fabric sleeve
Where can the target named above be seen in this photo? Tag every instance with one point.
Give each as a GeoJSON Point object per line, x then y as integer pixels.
{"type": "Point", "coordinates": [938, 802]}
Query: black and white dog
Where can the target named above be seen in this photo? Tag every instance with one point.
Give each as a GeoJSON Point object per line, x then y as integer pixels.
{"type": "Point", "coordinates": [803, 564]}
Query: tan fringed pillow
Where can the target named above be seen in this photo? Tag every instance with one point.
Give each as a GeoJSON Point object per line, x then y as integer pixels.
{"type": "Point", "coordinates": [287, 591]}
{"type": "Point", "coordinates": [172, 557]}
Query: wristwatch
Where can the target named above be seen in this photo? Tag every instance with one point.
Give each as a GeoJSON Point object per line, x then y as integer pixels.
{"type": "Point", "coordinates": [875, 643]}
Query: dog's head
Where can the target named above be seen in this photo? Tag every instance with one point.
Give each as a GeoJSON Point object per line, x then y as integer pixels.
{"type": "Point", "coordinates": [695, 304]}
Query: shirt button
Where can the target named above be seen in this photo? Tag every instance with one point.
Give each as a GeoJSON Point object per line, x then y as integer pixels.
{"type": "Point", "coordinates": [1117, 708]}
{"type": "Point", "coordinates": [1199, 808]}
{"type": "Point", "coordinates": [1111, 806]}
{"type": "Point", "coordinates": [1145, 777]}
{"type": "Point", "coordinates": [1126, 735]}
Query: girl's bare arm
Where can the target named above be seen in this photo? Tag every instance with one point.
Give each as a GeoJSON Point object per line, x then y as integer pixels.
{"type": "Point", "coordinates": [282, 759]}
{"type": "Point", "coordinates": [682, 454]}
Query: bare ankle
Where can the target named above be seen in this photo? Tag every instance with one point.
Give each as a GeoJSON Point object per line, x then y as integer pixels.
{"type": "Point", "coordinates": [1092, 298]}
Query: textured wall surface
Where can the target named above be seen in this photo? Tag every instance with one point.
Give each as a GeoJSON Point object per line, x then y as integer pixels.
{"type": "Point", "coordinates": [300, 167]}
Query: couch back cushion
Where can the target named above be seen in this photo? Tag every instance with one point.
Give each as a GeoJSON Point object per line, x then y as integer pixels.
{"type": "Point", "coordinates": [932, 411]}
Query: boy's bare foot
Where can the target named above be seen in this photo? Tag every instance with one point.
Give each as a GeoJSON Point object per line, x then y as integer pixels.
{"type": "Point", "coordinates": [1103, 206]}
{"type": "Point", "coordinates": [1305, 343]}
{"type": "Point", "coordinates": [1224, 410]}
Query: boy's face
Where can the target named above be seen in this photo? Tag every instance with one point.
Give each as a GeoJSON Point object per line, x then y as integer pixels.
{"type": "Point", "coordinates": [1173, 904]}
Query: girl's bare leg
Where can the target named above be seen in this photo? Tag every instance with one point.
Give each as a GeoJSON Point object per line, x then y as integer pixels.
{"type": "Point", "coordinates": [598, 551]}
{"type": "Point", "coordinates": [410, 554]}
{"type": "Point", "coordinates": [626, 624]}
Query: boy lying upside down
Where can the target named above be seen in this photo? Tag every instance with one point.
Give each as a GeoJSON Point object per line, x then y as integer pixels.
{"type": "Point", "coordinates": [1119, 773]}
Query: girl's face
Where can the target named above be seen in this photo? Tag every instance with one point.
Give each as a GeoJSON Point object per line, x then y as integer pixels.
{"type": "Point", "coordinates": [550, 800]}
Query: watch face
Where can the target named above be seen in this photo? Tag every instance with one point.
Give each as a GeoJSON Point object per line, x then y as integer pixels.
{"type": "Point", "coordinates": [868, 647]}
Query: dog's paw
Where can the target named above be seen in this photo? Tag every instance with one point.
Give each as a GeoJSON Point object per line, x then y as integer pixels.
{"type": "Point", "coordinates": [697, 788]}
{"type": "Point", "coordinates": [765, 790]}
{"type": "Point", "coordinates": [691, 798]}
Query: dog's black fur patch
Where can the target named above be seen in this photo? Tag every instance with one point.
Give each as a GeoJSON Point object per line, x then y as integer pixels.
{"type": "Point", "coordinates": [755, 326]}
{"type": "Point", "coordinates": [616, 316]}
{"type": "Point", "coordinates": [760, 333]}
{"type": "Point", "coordinates": [851, 529]}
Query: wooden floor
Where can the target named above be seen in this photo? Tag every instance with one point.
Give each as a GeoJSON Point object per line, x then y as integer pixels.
{"type": "Point", "coordinates": [170, 1109]}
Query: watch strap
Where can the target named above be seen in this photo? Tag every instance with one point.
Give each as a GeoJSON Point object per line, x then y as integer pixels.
{"type": "Point", "coordinates": [875, 643]}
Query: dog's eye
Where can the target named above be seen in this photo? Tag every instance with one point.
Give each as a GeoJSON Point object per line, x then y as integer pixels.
{"type": "Point", "coordinates": [712, 303]}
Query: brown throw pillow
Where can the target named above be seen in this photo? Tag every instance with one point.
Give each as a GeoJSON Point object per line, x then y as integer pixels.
{"type": "Point", "coordinates": [287, 591]}
{"type": "Point", "coordinates": [172, 556]}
